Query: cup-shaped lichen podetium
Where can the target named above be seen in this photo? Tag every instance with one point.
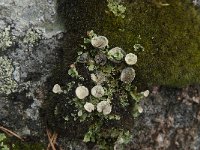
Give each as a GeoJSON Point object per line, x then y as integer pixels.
{"type": "Point", "coordinates": [99, 42]}
{"type": "Point", "coordinates": [97, 91]}
{"type": "Point", "coordinates": [82, 92]}
{"type": "Point", "coordinates": [116, 54]}
{"type": "Point", "coordinates": [131, 59]}
{"type": "Point", "coordinates": [127, 75]}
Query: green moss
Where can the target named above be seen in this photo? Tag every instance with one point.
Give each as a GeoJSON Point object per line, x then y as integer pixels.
{"type": "Point", "coordinates": [170, 36]}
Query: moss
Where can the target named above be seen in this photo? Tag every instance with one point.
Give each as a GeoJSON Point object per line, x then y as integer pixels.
{"type": "Point", "coordinates": [7, 82]}
{"type": "Point", "coordinates": [170, 36]}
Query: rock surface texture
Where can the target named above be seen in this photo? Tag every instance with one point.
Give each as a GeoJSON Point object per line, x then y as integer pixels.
{"type": "Point", "coordinates": [32, 34]}
{"type": "Point", "coordinates": [170, 120]}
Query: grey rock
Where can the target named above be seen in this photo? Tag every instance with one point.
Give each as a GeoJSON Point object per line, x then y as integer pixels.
{"type": "Point", "coordinates": [34, 28]}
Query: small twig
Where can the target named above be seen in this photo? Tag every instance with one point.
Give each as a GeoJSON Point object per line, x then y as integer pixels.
{"type": "Point", "coordinates": [9, 132]}
{"type": "Point", "coordinates": [53, 139]}
{"type": "Point", "coordinates": [50, 140]}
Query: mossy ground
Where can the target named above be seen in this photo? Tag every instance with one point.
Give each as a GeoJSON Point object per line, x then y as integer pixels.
{"type": "Point", "coordinates": [170, 36]}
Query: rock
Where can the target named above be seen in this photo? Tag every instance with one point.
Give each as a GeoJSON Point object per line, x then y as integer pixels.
{"type": "Point", "coordinates": [168, 123]}
{"type": "Point", "coordinates": [27, 56]}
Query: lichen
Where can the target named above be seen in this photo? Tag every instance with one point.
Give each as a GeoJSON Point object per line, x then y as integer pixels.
{"type": "Point", "coordinates": [5, 38]}
{"type": "Point", "coordinates": [7, 82]}
{"type": "Point", "coordinates": [82, 92]}
{"type": "Point", "coordinates": [57, 89]}
{"type": "Point", "coordinates": [32, 37]}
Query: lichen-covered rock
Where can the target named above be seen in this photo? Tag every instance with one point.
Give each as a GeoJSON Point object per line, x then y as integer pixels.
{"type": "Point", "coordinates": [5, 38]}
{"type": "Point", "coordinates": [169, 120]}
{"type": "Point", "coordinates": [28, 50]}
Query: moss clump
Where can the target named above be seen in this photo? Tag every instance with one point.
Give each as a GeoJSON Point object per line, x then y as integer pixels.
{"type": "Point", "coordinates": [7, 82]}
{"type": "Point", "coordinates": [169, 33]}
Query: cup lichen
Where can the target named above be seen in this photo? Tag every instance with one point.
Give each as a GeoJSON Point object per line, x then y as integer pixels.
{"type": "Point", "coordinates": [97, 91]}
{"type": "Point", "coordinates": [111, 93]}
{"type": "Point", "coordinates": [131, 59]}
{"type": "Point", "coordinates": [81, 92]}
{"type": "Point", "coordinates": [99, 42]}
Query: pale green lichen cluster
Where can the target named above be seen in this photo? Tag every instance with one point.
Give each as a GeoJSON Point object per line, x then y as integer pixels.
{"type": "Point", "coordinates": [116, 8]}
{"type": "Point", "coordinates": [32, 37]}
{"type": "Point", "coordinates": [7, 83]}
{"type": "Point", "coordinates": [5, 39]}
